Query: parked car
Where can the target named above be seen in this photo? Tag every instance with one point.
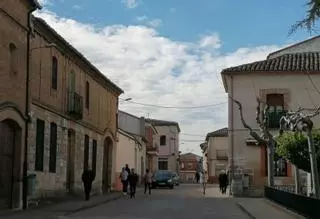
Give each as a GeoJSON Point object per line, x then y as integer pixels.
{"type": "Point", "coordinates": [163, 178]}
{"type": "Point", "coordinates": [176, 179]}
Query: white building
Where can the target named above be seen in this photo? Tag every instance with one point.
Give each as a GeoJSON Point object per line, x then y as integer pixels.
{"type": "Point", "coordinates": [168, 132]}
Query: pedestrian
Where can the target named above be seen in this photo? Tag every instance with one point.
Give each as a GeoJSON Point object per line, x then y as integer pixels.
{"type": "Point", "coordinates": [128, 170]}
{"type": "Point", "coordinates": [223, 182]}
{"type": "Point", "coordinates": [124, 180]}
{"type": "Point", "coordinates": [147, 181]}
{"type": "Point", "coordinates": [197, 177]}
{"type": "Point", "coordinates": [133, 179]}
{"type": "Point", "coordinates": [88, 177]}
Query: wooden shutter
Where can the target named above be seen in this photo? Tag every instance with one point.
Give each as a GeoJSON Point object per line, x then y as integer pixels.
{"type": "Point", "coordinates": [54, 73]}
{"type": "Point", "coordinates": [53, 148]}
{"type": "Point", "coordinates": [39, 145]}
{"type": "Point", "coordinates": [94, 155]}
{"type": "Point", "coordinates": [86, 152]}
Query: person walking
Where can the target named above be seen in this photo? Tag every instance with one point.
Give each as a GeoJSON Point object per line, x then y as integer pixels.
{"type": "Point", "coordinates": [147, 181]}
{"type": "Point", "coordinates": [88, 177]}
{"type": "Point", "coordinates": [133, 179]}
{"type": "Point", "coordinates": [197, 177]}
{"type": "Point", "coordinates": [124, 180]}
{"type": "Point", "coordinates": [128, 170]}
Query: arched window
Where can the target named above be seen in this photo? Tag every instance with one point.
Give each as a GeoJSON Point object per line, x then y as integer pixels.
{"type": "Point", "coordinates": [13, 58]}
{"type": "Point", "coordinates": [54, 73]}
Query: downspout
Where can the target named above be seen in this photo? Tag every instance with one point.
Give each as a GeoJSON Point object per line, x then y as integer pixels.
{"type": "Point", "coordinates": [231, 138]}
{"type": "Point", "coordinates": [25, 161]}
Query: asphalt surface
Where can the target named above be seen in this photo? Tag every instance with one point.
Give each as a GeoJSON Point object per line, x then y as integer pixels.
{"type": "Point", "coordinates": [185, 201]}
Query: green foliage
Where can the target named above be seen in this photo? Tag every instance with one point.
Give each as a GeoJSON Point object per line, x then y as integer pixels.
{"type": "Point", "coordinates": [294, 147]}
{"type": "Point", "coordinates": [312, 15]}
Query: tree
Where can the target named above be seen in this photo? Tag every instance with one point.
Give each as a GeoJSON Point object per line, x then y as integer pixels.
{"type": "Point", "coordinates": [266, 138]}
{"type": "Point", "coordinates": [294, 147]}
{"type": "Point", "coordinates": [313, 14]}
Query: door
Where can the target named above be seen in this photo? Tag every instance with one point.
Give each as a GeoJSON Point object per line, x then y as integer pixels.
{"type": "Point", "coordinates": [7, 146]}
{"type": "Point", "coordinates": [70, 160]}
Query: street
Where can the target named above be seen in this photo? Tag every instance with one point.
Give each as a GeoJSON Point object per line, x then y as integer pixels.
{"type": "Point", "coordinates": [185, 201]}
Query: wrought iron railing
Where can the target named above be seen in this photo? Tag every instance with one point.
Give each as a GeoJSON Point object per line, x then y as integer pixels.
{"type": "Point", "coordinates": [274, 118]}
{"type": "Point", "coordinates": [75, 105]}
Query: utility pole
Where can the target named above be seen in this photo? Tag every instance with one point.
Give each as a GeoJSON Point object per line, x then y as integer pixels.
{"type": "Point", "coordinates": [299, 122]}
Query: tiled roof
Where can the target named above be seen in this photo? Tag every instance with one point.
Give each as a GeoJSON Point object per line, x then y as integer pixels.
{"type": "Point", "coordinates": [294, 62]}
{"type": "Point", "coordinates": [156, 122]}
{"type": "Point", "coordinates": [218, 133]}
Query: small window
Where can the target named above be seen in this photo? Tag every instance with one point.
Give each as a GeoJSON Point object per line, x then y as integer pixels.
{"type": "Point", "coordinates": [13, 58]}
{"type": "Point", "coordinates": [162, 140]}
{"type": "Point", "coordinates": [163, 164]}
{"type": "Point", "coordinates": [94, 155]}
{"type": "Point", "coordinates": [53, 148]}
{"type": "Point", "coordinates": [87, 94]}
{"type": "Point", "coordinates": [39, 145]}
{"type": "Point", "coordinates": [54, 73]}
{"type": "Point", "coordinates": [86, 152]}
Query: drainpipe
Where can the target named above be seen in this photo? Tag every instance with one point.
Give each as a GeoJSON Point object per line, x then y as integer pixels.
{"type": "Point", "coordinates": [231, 177]}
{"type": "Point", "coordinates": [25, 161]}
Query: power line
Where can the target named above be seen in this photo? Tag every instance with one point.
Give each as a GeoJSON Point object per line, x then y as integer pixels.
{"type": "Point", "coordinates": [193, 135]}
{"type": "Point", "coordinates": [174, 107]}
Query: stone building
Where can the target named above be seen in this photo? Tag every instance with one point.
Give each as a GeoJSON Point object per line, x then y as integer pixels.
{"type": "Point", "coordinates": [14, 31]}
{"type": "Point", "coordinates": [73, 117]}
{"type": "Point", "coordinates": [189, 165]}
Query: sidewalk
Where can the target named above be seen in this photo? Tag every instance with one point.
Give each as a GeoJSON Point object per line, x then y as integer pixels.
{"type": "Point", "coordinates": [63, 208]}
{"type": "Point", "coordinates": [261, 208]}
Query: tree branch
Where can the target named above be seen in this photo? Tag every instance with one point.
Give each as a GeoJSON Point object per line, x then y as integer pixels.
{"type": "Point", "coordinates": [252, 133]}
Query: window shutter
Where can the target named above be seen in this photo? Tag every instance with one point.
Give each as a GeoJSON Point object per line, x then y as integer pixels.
{"type": "Point", "coordinates": [53, 148]}
{"type": "Point", "coordinates": [39, 145]}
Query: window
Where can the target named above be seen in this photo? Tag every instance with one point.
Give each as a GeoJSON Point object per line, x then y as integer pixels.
{"type": "Point", "coordinates": [86, 152]}
{"type": "Point", "coordinates": [72, 81]}
{"type": "Point", "coordinates": [39, 145]}
{"type": "Point", "coordinates": [94, 155]}
{"type": "Point", "coordinates": [276, 109]}
{"type": "Point", "coordinates": [163, 164]}
{"type": "Point", "coordinates": [53, 148]}
{"type": "Point", "coordinates": [190, 166]}
{"type": "Point", "coordinates": [54, 73]}
{"type": "Point", "coordinates": [87, 95]}
{"type": "Point", "coordinates": [162, 140]}
{"type": "Point", "coordinates": [13, 58]}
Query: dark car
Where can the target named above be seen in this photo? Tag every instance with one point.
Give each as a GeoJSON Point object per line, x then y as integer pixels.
{"type": "Point", "coordinates": [163, 178]}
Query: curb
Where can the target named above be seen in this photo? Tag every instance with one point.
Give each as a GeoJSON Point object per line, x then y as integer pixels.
{"type": "Point", "coordinates": [92, 205]}
{"type": "Point", "coordinates": [243, 209]}
{"type": "Point", "coordinates": [283, 208]}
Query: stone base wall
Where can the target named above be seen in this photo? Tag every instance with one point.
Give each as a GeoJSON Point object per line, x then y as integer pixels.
{"type": "Point", "coordinates": [53, 184]}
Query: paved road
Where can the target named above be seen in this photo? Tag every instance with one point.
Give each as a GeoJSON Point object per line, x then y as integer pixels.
{"type": "Point", "coordinates": [185, 201]}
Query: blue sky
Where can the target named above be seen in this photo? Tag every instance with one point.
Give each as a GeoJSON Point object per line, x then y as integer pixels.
{"type": "Point", "coordinates": [239, 23]}
{"type": "Point", "coordinates": [171, 52]}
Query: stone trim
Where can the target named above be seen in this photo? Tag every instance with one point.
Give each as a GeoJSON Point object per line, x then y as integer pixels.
{"type": "Point", "coordinates": [286, 95]}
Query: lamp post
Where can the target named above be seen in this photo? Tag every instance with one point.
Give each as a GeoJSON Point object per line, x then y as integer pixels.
{"type": "Point", "coordinates": [27, 114]}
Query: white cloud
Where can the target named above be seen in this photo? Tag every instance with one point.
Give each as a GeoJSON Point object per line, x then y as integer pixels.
{"type": "Point", "coordinates": [153, 69]}
{"type": "Point", "coordinates": [130, 3]}
{"type": "Point", "coordinates": [151, 23]}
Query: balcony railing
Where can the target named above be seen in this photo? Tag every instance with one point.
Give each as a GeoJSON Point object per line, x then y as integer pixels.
{"type": "Point", "coordinates": [75, 105]}
{"type": "Point", "coordinates": [222, 155]}
{"type": "Point", "coordinates": [274, 118]}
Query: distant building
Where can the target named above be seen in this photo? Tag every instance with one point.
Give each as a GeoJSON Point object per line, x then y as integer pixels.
{"type": "Point", "coordinates": [189, 164]}
{"type": "Point", "coordinates": [168, 137]}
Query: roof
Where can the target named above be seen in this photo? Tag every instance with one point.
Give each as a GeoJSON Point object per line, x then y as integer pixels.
{"type": "Point", "coordinates": [294, 45]}
{"type": "Point", "coordinates": [189, 155]}
{"type": "Point", "coordinates": [100, 78]}
{"type": "Point", "coordinates": [218, 133]}
{"type": "Point", "coordinates": [294, 62]}
{"type": "Point", "coordinates": [156, 122]}
{"type": "Point", "coordinates": [35, 4]}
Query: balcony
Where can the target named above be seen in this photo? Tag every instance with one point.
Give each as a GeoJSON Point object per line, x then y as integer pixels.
{"type": "Point", "coordinates": [274, 118]}
{"type": "Point", "coordinates": [222, 154]}
{"type": "Point", "coordinates": [75, 105]}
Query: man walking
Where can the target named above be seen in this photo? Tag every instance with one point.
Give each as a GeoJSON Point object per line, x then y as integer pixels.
{"type": "Point", "coordinates": [147, 181]}
{"type": "Point", "coordinates": [88, 177]}
{"type": "Point", "coordinates": [133, 179]}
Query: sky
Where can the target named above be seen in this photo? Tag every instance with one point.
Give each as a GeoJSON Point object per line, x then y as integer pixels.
{"type": "Point", "coordinates": [169, 53]}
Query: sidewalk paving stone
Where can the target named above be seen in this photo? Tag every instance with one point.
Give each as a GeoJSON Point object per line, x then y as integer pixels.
{"type": "Point", "coordinates": [261, 208]}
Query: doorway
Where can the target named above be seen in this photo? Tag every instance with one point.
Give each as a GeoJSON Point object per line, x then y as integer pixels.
{"type": "Point", "coordinates": [10, 162]}
{"type": "Point", "coordinates": [70, 160]}
{"type": "Point", "coordinates": [107, 165]}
